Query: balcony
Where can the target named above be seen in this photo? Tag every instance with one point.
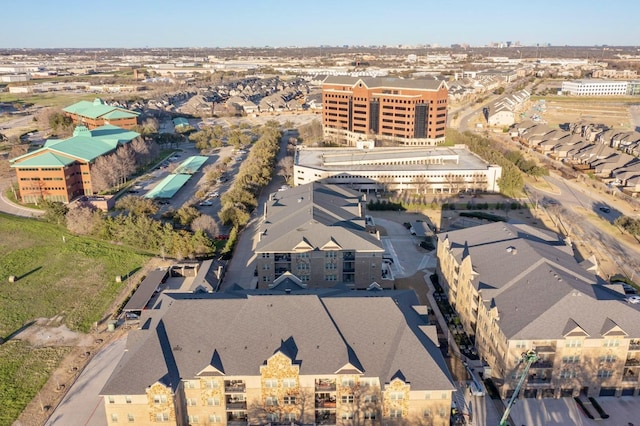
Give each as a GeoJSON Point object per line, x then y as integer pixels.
{"type": "Point", "coordinates": [324, 417]}
{"type": "Point", "coordinates": [234, 386]}
{"type": "Point", "coordinates": [282, 257]}
{"type": "Point", "coordinates": [632, 362]}
{"type": "Point", "coordinates": [236, 404]}
{"type": "Point", "coordinates": [238, 418]}
{"type": "Point", "coordinates": [634, 345]}
{"type": "Point", "coordinates": [542, 364]}
{"type": "Point", "coordinates": [325, 401]}
{"type": "Point", "coordinates": [535, 380]}
{"type": "Point", "coordinates": [325, 385]}
{"type": "Point", "coordinates": [630, 376]}
{"type": "Point", "coordinates": [348, 256]}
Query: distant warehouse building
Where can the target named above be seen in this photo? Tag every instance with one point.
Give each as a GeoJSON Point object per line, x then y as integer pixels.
{"type": "Point", "coordinates": [428, 171]}
{"type": "Point", "coordinates": [389, 110]}
{"type": "Point", "coordinates": [595, 87]}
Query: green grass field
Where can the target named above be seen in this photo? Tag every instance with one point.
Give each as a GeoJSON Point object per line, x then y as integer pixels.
{"type": "Point", "coordinates": [54, 99]}
{"type": "Point", "coordinates": [74, 278]}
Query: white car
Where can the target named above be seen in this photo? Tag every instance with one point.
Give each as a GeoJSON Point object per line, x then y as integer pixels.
{"type": "Point", "coordinates": [633, 299]}
{"type": "Point", "coordinates": [206, 203]}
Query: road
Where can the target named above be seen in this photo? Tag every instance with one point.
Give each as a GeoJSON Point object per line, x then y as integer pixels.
{"type": "Point", "coordinates": [242, 265]}
{"type": "Point", "coordinates": [6, 206]}
{"type": "Point", "coordinates": [83, 404]}
{"type": "Point", "coordinates": [569, 213]}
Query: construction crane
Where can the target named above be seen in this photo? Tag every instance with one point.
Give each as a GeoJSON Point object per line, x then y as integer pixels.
{"type": "Point", "coordinates": [527, 359]}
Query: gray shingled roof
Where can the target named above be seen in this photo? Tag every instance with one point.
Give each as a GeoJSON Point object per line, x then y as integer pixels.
{"type": "Point", "coordinates": [324, 330]}
{"type": "Point", "coordinates": [317, 214]}
{"type": "Point", "coordinates": [538, 286]}
{"type": "Point", "coordinates": [371, 82]}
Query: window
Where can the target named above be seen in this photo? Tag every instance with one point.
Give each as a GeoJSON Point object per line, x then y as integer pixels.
{"type": "Point", "coordinates": [112, 400]}
{"type": "Point", "coordinates": [271, 383]}
{"type": "Point", "coordinates": [273, 417]}
{"type": "Point", "coordinates": [611, 343]}
{"type": "Point", "coordinates": [608, 358]}
{"type": "Point", "coordinates": [371, 398]}
{"type": "Point", "coordinates": [348, 382]}
{"type": "Point", "coordinates": [443, 412]}
{"type": "Point", "coordinates": [114, 418]}
{"type": "Point", "coordinates": [573, 343]}
{"type": "Point", "coordinates": [520, 344]}
{"type": "Point", "coordinates": [289, 383]}
{"type": "Point", "coordinates": [426, 412]}
{"type": "Point", "coordinates": [160, 399]}
{"type": "Point", "coordinates": [395, 414]}
{"type": "Point", "coordinates": [193, 420]}
{"type": "Point", "coordinates": [347, 416]}
{"type": "Point", "coordinates": [347, 399]}
{"type": "Point", "coordinates": [191, 402]}
{"type": "Point", "coordinates": [162, 417]}
{"type": "Point", "coordinates": [127, 399]}
{"type": "Point", "coordinates": [289, 400]}
{"type": "Point", "coordinates": [396, 396]}
{"type": "Point", "coordinates": [214, 418]}
{"type": "Point", "coordinates": [131, 418]}
{"type": "Point", "coordinates": [271, 401]}
{"type": "Point", "coordinates": [567, 374]}
{"type": "Point", "coordinates": [215, 401]}
{"type": "Point", "coordinates": [369, 415]}
{"type": "Point", "coordinates": [427, 395]}
{"type": "Point", "coordinates": [605, 373]}
{"type": "Point", "coordinates": [211, 384]}
{"type": "Point", "coordinates": [190, 384]}
{"type": "Point", "coordinates": [571, 359]}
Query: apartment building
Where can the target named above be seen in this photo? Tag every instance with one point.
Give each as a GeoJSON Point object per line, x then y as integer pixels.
{"type": "Point", "coordinates": [98, 113]}
{"type": "Point", "coordinates": [390, 110]}
{"type": "Point", "coordinates": [433, 170]}
{"type": "Point", "coordinates": [61, 169]}
{"type": "Point", "coordinates": [517, 288]}
{"type": "Point", "coordinates": [319, 234]}
{"type": "Point", "coordinates": [327, 356]}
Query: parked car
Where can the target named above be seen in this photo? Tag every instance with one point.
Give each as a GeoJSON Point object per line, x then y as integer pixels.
{"type": "Point", "coordinates": [206, 203]}
{"type": "Point", "coordinates": [633, 299]}
{"type": "Point", "coordinates": [215, 194]}
{"type": "Point", "coordinates": [222, 237]}
{"type": "Point", "coordinates": [605, 209]}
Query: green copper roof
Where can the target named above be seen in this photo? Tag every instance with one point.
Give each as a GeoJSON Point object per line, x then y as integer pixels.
{"type": "Point", "coordinates": [168, 186]}
{"type": "Point", "coordinates": [97, 109]}
{"type": "Point", "coordinates": [191, 164]}
{"type": "Point", "coordinates": [47, 159]}
{"type": "Point", "coordinates": [85, 145]}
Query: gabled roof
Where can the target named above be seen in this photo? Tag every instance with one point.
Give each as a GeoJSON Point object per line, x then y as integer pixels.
{"type": "Point", "coordinates": [534, 262]}
{"type": "Point", "coordinates": [315, 216]}
{"type": "Point", "coordinates": [85, 145]}
{"type": "Point", "coordinates": [322, 332]}
{"type": "Point", "coordinates": [99, 109]}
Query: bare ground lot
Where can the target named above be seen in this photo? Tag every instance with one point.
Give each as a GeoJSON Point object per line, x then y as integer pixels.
{"type": "Point", "coordinates": [614, 112]}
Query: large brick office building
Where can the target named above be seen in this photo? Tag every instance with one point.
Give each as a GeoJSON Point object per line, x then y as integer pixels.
{"type": "Point", "coordinates": [392, 110]}
{"type": "Point", "coordinates": [61, 170]}
{"type": "Point", "coordinates": [97, 113]}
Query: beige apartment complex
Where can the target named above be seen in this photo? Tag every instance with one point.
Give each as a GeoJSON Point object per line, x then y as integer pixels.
{"type": "Point", "coordinates": [517, 288]}
{"type": "Point", "coordinates": [320, 234]}
{"type": "Point", "coordinates": [247, 357]}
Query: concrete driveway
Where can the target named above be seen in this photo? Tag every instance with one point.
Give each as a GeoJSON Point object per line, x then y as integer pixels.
{"type": "Point", "coordinates": [83, 404]}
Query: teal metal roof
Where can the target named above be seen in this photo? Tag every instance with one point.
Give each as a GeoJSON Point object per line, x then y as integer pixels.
{"type": "Point", "coordinates": [85, 144]}
{"type": "Point", "coordinates": [118, 113]}
{"type": "Point", "coordinates": [168, 186]}
{"type": "Point", "coordinates": [191, 165]}
{"type": "Point", "coordinates": [48, 159]}
{"type": "Point", "coordinates": [98, 108]}
{"type": "Point", "coordinates": [180, 121]}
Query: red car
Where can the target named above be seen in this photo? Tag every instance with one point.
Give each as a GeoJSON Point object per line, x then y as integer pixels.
{"type": "Point", "coordinates": [222, 237]}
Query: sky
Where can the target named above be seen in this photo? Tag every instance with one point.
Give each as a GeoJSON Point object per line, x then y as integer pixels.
{"type": "Point", "coordinates": [281, 23]}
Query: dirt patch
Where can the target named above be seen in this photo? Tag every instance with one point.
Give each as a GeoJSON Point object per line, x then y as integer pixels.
{"type": "Point", "coordinates": [52, 332]}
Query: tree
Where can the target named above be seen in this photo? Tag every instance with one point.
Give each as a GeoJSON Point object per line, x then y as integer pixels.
{"type": "Point", "coordinates": [185, 215]}
{"type": "Point", "coordinates": [60, 123]}
{"type": "Point", "coordinates": [141, 149]}
{"type": "Point", "coordinates": [137, 206]}
{"type": "Point", "coordinates": [206, 224]}
{"type": "Point", "coordinates": [54, 212]}
{"type": "Point", "coordinates": [285, 167]}
{"type": "Point", "coordinates": [125, 163]}
{"type": "Point", "coordinates": [82, 219]}
{"type": "Point", "coordinates": [103, 173]}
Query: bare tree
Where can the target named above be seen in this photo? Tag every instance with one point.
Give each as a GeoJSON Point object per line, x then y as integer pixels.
{"type": "Point", "coordinates": [103, 173]}
{"type": "Point", "coordinates": [82, 218]}
{"type": "Point", "coordinates": [207, 224]}
{"type": "Point", "coordinates": [141, 149]}
{"type": "Point", "coordinates": [285, 167]}
{"type": "Point", "coordinates": [125, 164]}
